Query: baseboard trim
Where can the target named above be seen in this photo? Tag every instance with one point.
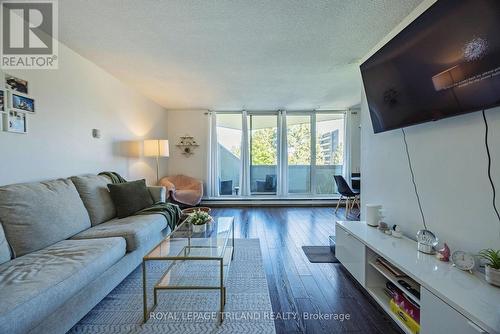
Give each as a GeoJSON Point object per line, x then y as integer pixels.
{"type": "Point", "coordinates": [269, 203]}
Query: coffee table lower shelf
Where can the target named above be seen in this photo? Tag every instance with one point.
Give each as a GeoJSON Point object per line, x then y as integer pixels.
{"type": "Point", "coordinates": [224, 264]}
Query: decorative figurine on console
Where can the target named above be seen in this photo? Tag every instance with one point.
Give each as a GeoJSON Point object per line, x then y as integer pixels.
{"type": "Point", "coordinates": [444, 253]}
{"type": "Point", "coordinates": [382, 227]}
{"type": "Point", "coordinates": [396, 231]}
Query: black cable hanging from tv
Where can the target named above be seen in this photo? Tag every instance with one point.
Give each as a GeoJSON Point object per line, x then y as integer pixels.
{"type": "Point", "coordinates": [489, 165]}
{"type": "Point", "coordinates": [413, 179]}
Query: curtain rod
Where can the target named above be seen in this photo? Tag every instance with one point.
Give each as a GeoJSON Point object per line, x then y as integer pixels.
{"type": "Point", "coordinates": [276, 111]}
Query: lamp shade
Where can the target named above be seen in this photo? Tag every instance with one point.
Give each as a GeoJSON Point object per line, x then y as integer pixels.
{"type": "Point", "coordinates": [156, 148]}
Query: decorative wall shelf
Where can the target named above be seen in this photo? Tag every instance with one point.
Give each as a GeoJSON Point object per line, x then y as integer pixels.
{"type": "Point", "coordinates": [187, 144]}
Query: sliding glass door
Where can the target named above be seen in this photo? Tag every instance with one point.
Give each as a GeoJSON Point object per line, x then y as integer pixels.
{"type": "Point", "coordinates": [263, 154]}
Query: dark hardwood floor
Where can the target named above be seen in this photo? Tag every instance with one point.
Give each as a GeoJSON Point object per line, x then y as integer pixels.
{"type": "Point", "coordinates": [297, 286]}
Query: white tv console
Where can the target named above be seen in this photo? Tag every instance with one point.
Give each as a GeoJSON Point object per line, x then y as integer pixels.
{"type": "Point", "coordinates": [451, 300]}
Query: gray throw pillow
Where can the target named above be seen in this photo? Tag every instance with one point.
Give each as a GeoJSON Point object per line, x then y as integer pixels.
{"type": "Point", "coordinates": [130, 197]}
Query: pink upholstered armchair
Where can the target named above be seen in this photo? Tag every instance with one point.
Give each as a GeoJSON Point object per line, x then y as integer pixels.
{"type": "Point", "coordinates": [183, 189]}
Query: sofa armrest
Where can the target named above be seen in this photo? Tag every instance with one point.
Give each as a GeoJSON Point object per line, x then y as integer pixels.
{"type": "Point", "coordinates": [158, 193]}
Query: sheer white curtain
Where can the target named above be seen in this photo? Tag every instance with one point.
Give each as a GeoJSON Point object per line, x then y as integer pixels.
{"type": "Point", "coordinates": [347, 146]}
{"type": "Point", "coordinates": [245, 156]}
{"type": "Point", "coordinates": [282, 154]}
{"type": "Point", "coordinates": [213, 157]}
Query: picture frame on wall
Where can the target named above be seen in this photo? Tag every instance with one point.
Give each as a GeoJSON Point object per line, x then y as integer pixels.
{"type": "Point", "coordinates": [16, 84]}
{"type": "Point", "coordinates": [15, 122]}
{"type": "Point", "coordinates": [21, 103]}
{"type": "Point", "coordinates": [2, 101]}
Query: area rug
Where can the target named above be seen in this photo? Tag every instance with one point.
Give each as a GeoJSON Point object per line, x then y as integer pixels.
{"type": "Point", "coordinates": [319, 254]}
{"type": "Point", "coordinates": [248, 306]}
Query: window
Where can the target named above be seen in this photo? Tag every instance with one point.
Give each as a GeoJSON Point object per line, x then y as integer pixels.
{"type": "Point", "coordinates": [263, 154]}
{"type": "Point", "coordinates": [298, 138]}
{"type": "Point", "coordinates": [329, 151]}
{"type": "Point", "coordinates": [229, 133]}
{"type": "Point", "coordinates": [285, 153]}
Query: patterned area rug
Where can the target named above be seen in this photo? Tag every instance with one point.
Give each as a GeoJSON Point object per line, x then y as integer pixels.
{"type": "Point", "coordinates": [248, 306]}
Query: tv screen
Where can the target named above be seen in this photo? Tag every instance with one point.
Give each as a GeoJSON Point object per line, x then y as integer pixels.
{"type": "Point", "coordinates": [445, 63]}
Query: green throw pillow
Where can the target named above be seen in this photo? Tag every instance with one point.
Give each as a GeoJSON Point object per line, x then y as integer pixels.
{"type": "Point", "coordinates": [130, 197]}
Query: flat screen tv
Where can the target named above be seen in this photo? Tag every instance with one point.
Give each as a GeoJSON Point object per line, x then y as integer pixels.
{"type": "Point", "coordinates": [445, 63]}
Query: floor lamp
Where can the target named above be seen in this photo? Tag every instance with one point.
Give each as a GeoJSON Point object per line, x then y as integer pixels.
{"type": "Point", "coordinates": [156, 148]}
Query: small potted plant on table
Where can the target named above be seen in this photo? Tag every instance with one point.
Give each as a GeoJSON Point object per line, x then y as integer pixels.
{"type": "Point", "coordinates": [492, 269]}
{"type": "Point", "coordinates": [199, 220]}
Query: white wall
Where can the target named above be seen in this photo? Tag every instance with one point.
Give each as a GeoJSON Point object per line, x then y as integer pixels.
{"type": "Point", "coordinates": [70, 102]}
{"type": "Point", "coordinates": [194, 123]}
{"type": "Point", "coordinates": [450, 165]}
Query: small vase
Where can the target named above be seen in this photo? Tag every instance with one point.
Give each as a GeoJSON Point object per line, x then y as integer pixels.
{"type": "Point", "coordinates": [199, 228]}
{"type": "Point", "coordinates": [492, 276]}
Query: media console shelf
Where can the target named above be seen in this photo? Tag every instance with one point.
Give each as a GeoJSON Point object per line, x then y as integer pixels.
{"type": "Point", "coordinates": [450, 300]}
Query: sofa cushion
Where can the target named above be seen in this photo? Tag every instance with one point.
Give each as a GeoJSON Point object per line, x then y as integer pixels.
{"type": "Point", "coordinates": [130, 197]}
{"type": "Point", "coordinates": [5, 254]}
{"type": "Point", "coordinates": [93, 190]}
{"type": "Point", "coordinates": [35, 285]}
{"type": "Point", "coordinates": [136, 230]}
{"type": "Point", "coordinates": [37, 215]}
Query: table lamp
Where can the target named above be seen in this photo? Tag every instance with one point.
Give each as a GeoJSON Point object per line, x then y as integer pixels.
{"type": "Point", "coordinates": [156, 148]}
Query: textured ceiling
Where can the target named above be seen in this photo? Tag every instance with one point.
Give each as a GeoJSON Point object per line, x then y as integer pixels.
{"type": "Point", "coordinates": [232, 54]}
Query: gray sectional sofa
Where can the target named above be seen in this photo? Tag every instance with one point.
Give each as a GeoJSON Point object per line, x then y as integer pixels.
{"type": "Point", "coordinates": [62, 250]}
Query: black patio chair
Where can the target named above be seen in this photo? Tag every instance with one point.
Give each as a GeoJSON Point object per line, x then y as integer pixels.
{"type": "Point", "coordinates": [226, 187]}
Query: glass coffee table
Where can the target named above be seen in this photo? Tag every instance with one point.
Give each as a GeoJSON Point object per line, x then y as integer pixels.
{"type": "Point", "coordinates": [184, 249]}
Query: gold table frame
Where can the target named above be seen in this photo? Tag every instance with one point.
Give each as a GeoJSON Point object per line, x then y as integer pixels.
{"type": "Point", "coordinates": [186, 249]}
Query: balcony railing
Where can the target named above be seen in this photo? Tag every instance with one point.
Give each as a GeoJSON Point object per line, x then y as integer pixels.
{"type": "Point", "coordinates": [299, 177]}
